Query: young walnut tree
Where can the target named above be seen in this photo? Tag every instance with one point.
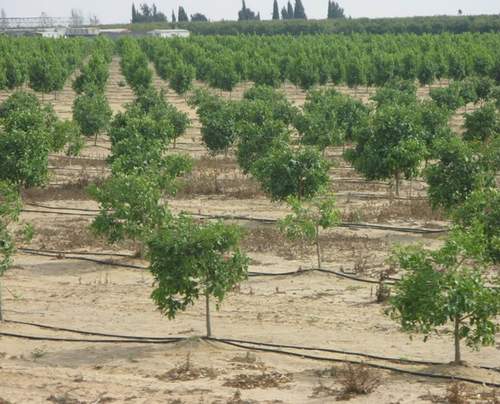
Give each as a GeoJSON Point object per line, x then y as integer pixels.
{"type": "Point", "coordinates": [189, 260]}
{"type": "Point", "coordinates": [453, 284]}
{"type": "Point", "coordinates": [307, 219]}
{"type": "Point", "coordinates": [10, 207]}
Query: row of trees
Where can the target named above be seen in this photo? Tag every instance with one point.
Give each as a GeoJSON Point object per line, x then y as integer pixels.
{"type": "Point", "coordinates": [29, 131]}
{"type": "Point", "coordinates": [187, 259]}
{"type": "Point", "coordinates": [44, 65]}
{"type": "Point", "coordinates": [91, 110]}
{"type": "Point", "coordinates": [348, 26]}
{"type": "Point", "coordinates": [146, 14]}
{"type": "Point", "coordinates": [309, 61]}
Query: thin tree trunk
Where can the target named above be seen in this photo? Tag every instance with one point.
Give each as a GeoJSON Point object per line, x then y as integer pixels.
{"type": "Point", "coordinates": [398, 179]}
{"type": "Point", "coordinates": [458, 357]}
{"type": "Point", "coordinates": [175, 142]}
{"type": "Point", "coordinates": [1, 312]}
{"type": "Point", "coordinates": [318, 247]}
{"type": "Point", "coordinates": [207, 313]}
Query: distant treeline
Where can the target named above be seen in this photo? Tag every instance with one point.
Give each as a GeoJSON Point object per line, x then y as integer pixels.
{"type": "Point", "coordinates": [412, 25]}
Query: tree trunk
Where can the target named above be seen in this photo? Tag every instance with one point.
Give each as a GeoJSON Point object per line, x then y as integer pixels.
{"type": "Point", "coordinates": [175, 142]}
{"type": "Point", "coordinates": [95, 140]}
{"type": "Point", "coordinates": [318, 247]}
{"type": "Point", "coordinates": [207, 314]}
{"type": "Point", "coordinates": [398, 180]}
{"type": "Point", "coordinates": [1, 313]}
{"type": "Point", "coordinates": [458, 356]}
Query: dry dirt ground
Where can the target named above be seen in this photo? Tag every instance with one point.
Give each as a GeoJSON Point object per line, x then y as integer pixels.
{"type": "Point", "coordinates": [309, 309]}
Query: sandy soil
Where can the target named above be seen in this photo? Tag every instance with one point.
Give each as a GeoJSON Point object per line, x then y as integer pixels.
{"type": "Point", "coordinates": [309, 309]}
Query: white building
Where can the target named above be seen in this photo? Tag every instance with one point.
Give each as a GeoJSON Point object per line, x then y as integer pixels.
{"type": "Point", "coordinates": [170, 33]}
{"type": "Point", "coordinates": [52, 33]}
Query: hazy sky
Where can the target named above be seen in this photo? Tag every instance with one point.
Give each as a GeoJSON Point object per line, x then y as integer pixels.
{"type": "Point", "coordinates": [111, 11]}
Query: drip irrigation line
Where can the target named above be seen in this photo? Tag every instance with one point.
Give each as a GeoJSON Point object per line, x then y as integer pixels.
{"type": "Point", "coordinates": [354, 362]}
{"type": "Point", "coordinates": [118, 338]}
{"type": "Point", "coordinates": [415, 230]}
{"type": "Point", "coordinates": [75, 256]}
{"type": "Point", "coordinates": [72, 257]}
{"type": "Point", "coordinates": [84, 253]}
{"type": "Point", "coordinates": [60, 208]}
{"type": "Point", "coordinates": [93, 341]}
{"type": "Point", "coordinates": [48, 212]}
{"type": "Point", "coordinates": [90, 333]}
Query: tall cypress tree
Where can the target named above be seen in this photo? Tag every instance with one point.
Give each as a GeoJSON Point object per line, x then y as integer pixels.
{"type": "Point", "coordinates": [290, 12]}
{"type": "Point", "coordinates": [284, 13]}
{"type": "Point", "coordinates": [182, 15]}
{"type": "Point", "coordinates": [134, 14]}
{"type": "Point", "coordinates": [299, 13]}
{"type": "Point", "coordinates": [334, 10]}
{"type": "Point", "coordinates": [276, 11]}
{"type": "Point", "coordinates": [174, 19]}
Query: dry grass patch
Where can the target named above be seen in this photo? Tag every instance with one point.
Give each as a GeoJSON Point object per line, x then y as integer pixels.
{"type": "Point", "coordinates": [186, 371]}
{"type": "Point", "coordinates": [357, 380]}
{"type": "Point", "coordinates": [211, 182]}
{"type": "Point", "coordinates": [262, 381]}
{"type": "Point", "coordinates": [461, 393]}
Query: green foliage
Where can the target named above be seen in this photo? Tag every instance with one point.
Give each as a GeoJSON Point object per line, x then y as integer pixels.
{"type": "Point", "coordinates": [306, 220]}
{"type": "Point", "coordinates": [329, 118]}
{"type": "Point", "coordinates": [93, 76]}
{"type": "Point", "coordinates": [189, 260]}
{"type": "Point", "coordinates": [258, 128]}
{"type": "Point", "coordinates": [67, 135]}
{"type": "Point", "coordinates": [285, 172]}
{"type": "Point", "coordinates": [24, 154]}
{"type": "Point", "coordinates": [10, 208]}
{"type": "Point", "coordinates": [458, 171]}
{"type": "Point", "coordinates": [134, 65]}
{"type": "Point", "coordinates": [481, 213]}
{"type": "Point", "coordinates": [47, 73]}
{"type": "Point", "coordinates": [181, 79]}
{"type": "Point", "coordinates": [223, 74]}
{"type": "Point", "coordinates": [151, 117]}
{"type": "Point", "coordinates": [448, 97]}
{"type": "Point", "coordinates": [92, 113]}
{"type": "Point", "coordinates": [482, 125]}
{"type": "Point", "coordinates": [218, 120]}
{"type": "Point", "coordinates": [392, 144]}
{"type": "Point", "coordinates": [275, 100]}
{"type": "Point", "coordinates": [396, 92]}
{"type": "Point", "coordinates": [437, 288]}
{"type": "Point", "coordinates": [28, 133]}
{"type": "Point", "coordinates": [129, 207]}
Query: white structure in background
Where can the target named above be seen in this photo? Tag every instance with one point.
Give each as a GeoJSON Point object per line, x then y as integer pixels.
{"type": "Point", "coordinates": [170, 33]}
{"type": "Point", "coordinates": [52, 33]}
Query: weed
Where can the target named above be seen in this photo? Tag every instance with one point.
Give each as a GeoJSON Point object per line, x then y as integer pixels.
{"type": "Point", "coordinates": [263, 380]}
{"type": "Point", "coordinates": [38, 353]}
{"type": "Point", "coordinates": [357, 380]}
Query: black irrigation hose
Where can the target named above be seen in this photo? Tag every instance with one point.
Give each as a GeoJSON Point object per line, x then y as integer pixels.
{"type": "Point", "coordinates": [90, 333]}
{"type": "Point", "coordinates": [413, 230]}
{"type": "Point", "coordinates": [60, 208]}
{"type": "Point", "coordinates": [353, 362]}
{"type": "Point", "coordinates": [364, 355]}
{"type": "Point", "coordinates": [73, 257]}
{"type": "Point", "coordinates": [84, 253]}
{"type": "Point", "coordinates": [46, 212]}
{"type": "Point", "coordinates": [128, 338]}
{"type": "Point", "coordinates": [95, 341]}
